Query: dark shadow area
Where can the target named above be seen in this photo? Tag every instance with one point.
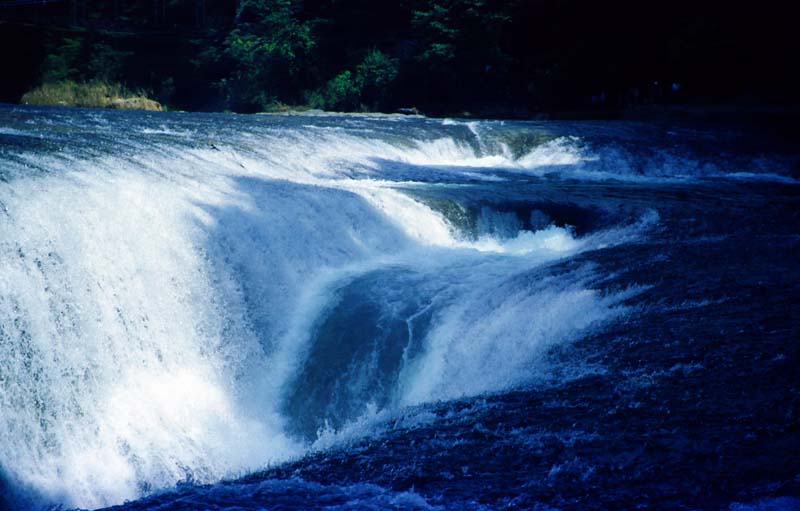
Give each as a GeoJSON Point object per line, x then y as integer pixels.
{"type": "Point", "coordinates": [358, 346]}
{"type": "Point", "coordinates": [16, 497]}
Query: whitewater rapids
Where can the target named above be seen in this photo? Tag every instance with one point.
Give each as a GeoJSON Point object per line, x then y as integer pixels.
{"type": "Point", "coordinates": [195, 298]}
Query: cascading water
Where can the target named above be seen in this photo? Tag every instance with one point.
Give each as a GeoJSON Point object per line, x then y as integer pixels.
{"type": "Point", "coordinates": [191, 298]}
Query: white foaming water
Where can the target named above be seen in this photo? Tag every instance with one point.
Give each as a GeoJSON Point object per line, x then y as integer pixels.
{"type": "Point", "coordinates": [552, 239]}
{"type": "Point", "coordinates": [494, 338]}
{"type": "Point", "coordinates": [112, 340]}
{"type": "Point", "coordinates": [153, 306]}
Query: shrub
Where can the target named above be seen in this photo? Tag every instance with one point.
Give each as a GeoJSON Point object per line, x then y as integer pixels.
{"type": "Point", "coordinates": [366, 87]}
{"type": "Point", "coordinates": [343, 92]}
{"type": "Point", "coordinates": [376, 73]}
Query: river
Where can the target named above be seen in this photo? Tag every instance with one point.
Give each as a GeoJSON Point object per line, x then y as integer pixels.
{"type": "Point", "coordinates": [212, 311]}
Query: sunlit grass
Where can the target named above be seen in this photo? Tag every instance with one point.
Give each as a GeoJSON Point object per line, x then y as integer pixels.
{"type": "Point", "coordinates": [94, 94]}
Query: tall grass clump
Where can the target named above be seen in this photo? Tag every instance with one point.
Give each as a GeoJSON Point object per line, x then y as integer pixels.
{"type": "Point", "coordinates": [93, 94]}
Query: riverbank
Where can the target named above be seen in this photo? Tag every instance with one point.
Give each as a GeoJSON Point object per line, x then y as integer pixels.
{"type": "Point", "coordinates": [115, 96]}
{"type": "Point", "coordinates": [94, 94]}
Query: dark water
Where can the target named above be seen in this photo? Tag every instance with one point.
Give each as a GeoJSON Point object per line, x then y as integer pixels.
{"type": "Point", "coordinates": [333, 312]}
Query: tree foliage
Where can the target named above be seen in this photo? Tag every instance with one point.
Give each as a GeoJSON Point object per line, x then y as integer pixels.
{"type": "Point", "coordinates": [368, 87]}
{"type": "Point", "coordinates": [269, 48]}
{"type": "Point", "coordinates": [442, 56]}
{"type": "Point", "coordinates": [468, 35]}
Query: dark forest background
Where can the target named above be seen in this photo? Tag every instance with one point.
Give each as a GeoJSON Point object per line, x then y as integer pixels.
{"type": "Point", "coordinates": [483, 57]}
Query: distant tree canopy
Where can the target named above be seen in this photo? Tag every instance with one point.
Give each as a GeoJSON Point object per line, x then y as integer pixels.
{"type": "Point", "coordinates": [489, 57]}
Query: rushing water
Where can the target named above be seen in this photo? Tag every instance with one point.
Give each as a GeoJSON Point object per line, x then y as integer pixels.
{"type": "Point", "coordinates": [355, 312]}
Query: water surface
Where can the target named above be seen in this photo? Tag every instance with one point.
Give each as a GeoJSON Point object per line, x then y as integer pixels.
{"type": "Point", "coordinates": [206, 311]}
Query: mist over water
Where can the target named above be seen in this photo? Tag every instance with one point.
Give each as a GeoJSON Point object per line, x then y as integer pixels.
{"type": "Point", "coordinates": [195, 298]}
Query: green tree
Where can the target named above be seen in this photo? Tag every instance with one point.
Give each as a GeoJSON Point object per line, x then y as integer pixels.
{"type": "Point", "coordinates": [342, 93]}
{"type": "Point", "coordinates": [107, 63]}
{"type": "Point", "coordinates": [463, 49]}
{"type": "Point", "coordinates": [366, 88]}
{"type": "Point", "coordinates": [376, 75]}
{"type": "Point", "coordinates": [63, 60]}
{"type": "Point", "coordinates": [269, 48]}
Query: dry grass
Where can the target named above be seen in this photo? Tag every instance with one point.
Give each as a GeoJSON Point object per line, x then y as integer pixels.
{"type": "Point", "coordinates": [94, 94]}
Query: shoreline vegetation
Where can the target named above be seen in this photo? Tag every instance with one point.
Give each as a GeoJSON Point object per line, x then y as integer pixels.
{"type": "Point", "coordinates": [115, 96]}
{"type": "Point", "coordinates": [513, 59]}
{"type": "Point", "coordinates": [94, 94]}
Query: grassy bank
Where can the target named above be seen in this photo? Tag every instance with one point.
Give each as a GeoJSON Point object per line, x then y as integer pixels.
{"type": "Point", "coordinates": [94, 94]}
